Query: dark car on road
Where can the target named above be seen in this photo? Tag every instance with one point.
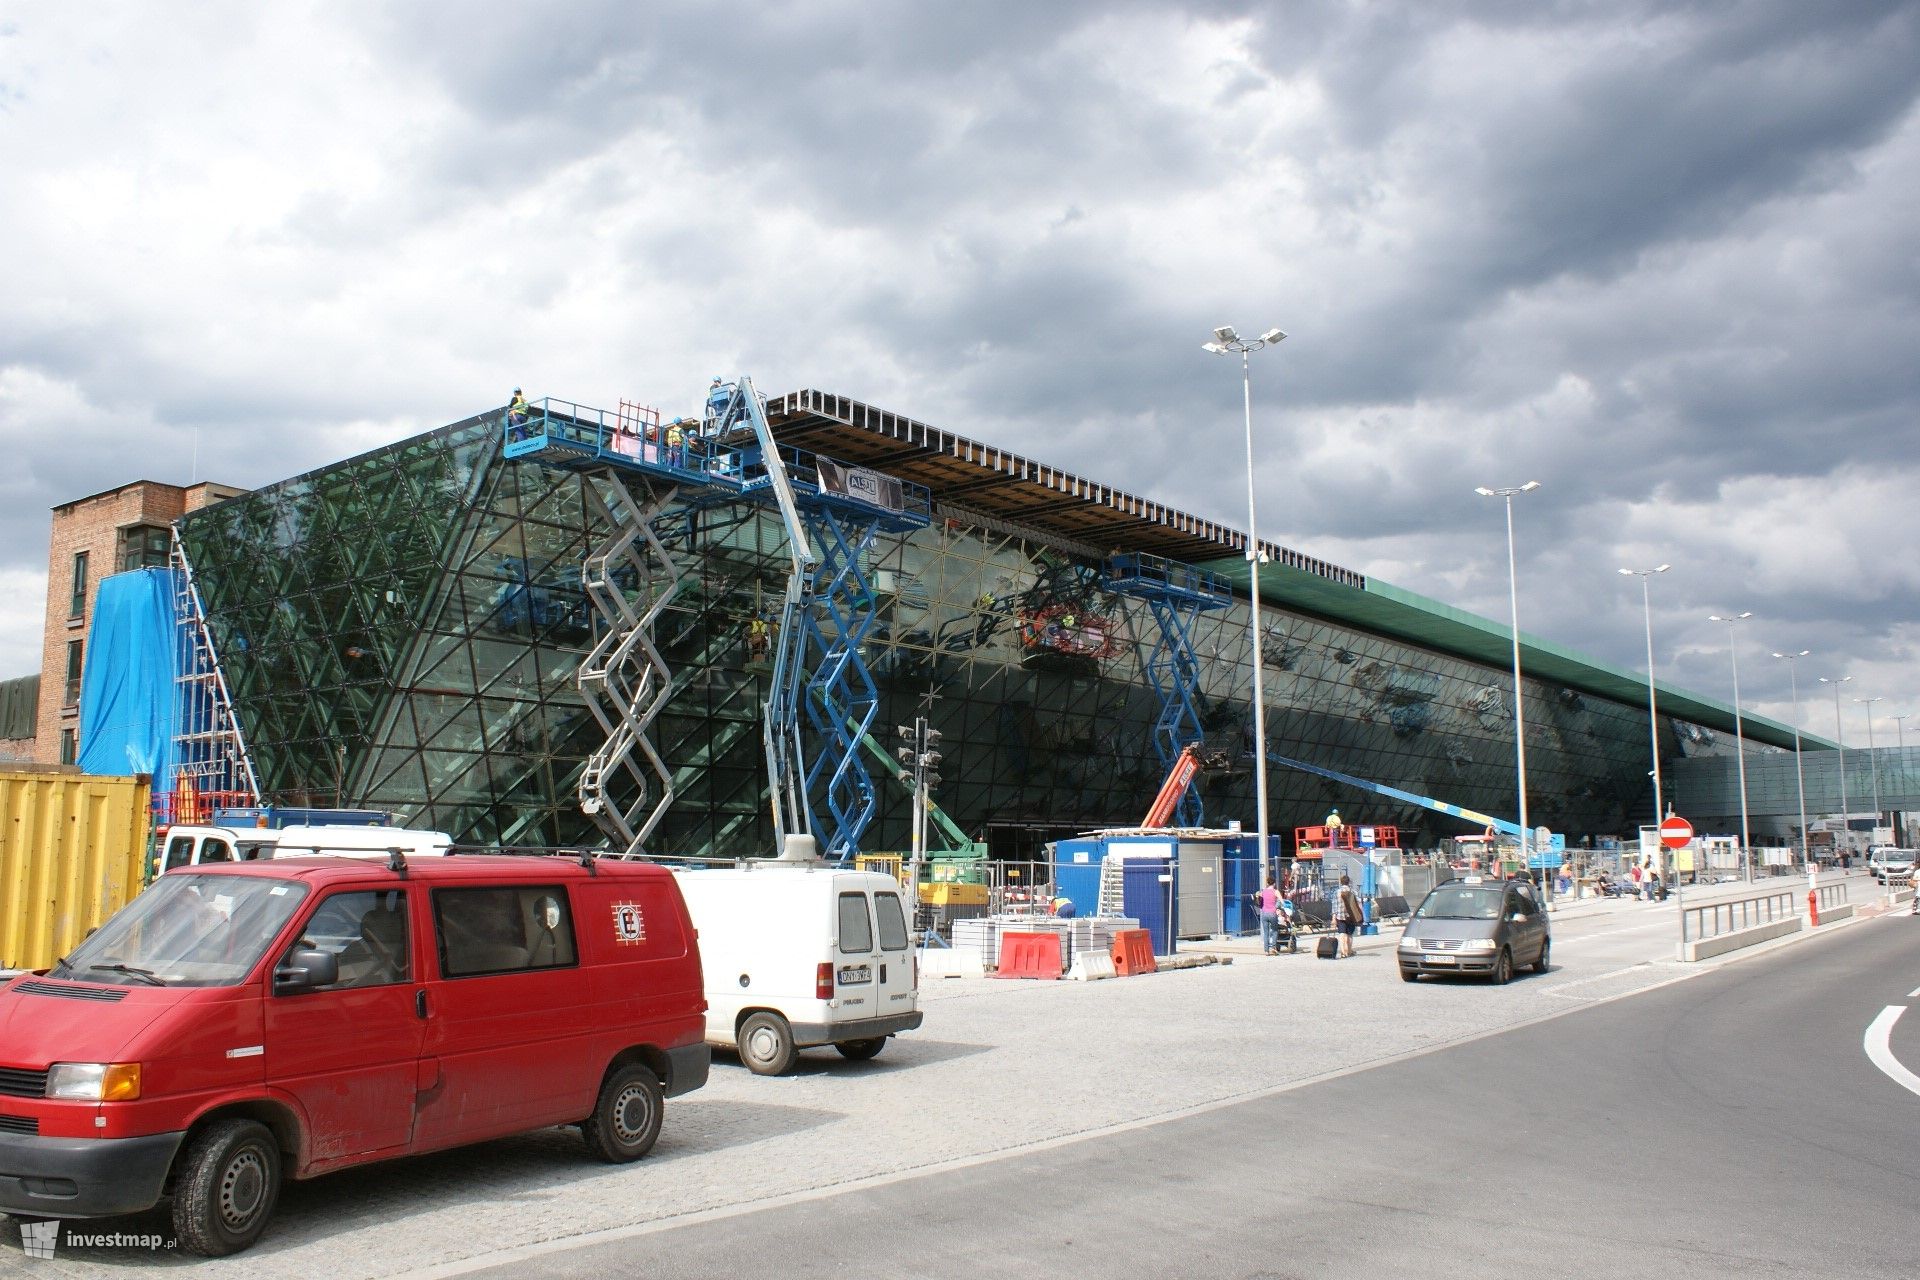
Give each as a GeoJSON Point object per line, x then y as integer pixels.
{"type": "Point", "coordinates": [1480, 926]}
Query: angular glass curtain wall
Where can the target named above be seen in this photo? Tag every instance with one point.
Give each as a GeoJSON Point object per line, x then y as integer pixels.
{"type": "Point", "coordinates": [403, 630]}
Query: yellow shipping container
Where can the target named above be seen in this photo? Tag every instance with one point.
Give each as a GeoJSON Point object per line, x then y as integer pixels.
{"type": "Point", "coordinates": [71, 846]}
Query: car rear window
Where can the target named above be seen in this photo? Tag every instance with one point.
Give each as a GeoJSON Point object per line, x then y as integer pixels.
{"type": "Point", "coordinates": [856, 926]}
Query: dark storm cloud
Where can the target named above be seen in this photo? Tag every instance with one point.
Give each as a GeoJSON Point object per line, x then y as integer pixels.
{"type": "Point", "coordinates": [1659, 256]}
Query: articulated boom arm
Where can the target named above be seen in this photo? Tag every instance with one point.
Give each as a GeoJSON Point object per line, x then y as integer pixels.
{"type": "Point", "coordinates": [1394, 793]}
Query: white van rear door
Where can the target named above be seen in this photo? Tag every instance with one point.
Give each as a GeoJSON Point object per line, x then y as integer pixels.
{"type": "Point", "coordinates": [856, 955]}
{"type": "Point", "coordinates": [896, 975]}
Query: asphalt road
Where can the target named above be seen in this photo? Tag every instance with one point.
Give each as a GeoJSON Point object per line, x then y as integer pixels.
{"type": "Point", "coordinates": [1731, 1125]}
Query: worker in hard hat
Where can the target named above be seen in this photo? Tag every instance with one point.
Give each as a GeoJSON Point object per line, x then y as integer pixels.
{"type": "Point", "coordinates": [677, 443]}
{"type": "Point", "coordinates": [517, 410]}
{"type": "Point", "coordinates": [757, 633]}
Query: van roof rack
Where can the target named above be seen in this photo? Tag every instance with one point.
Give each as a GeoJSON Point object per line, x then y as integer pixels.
{"type": "Point", "coordinates": [585, 857]}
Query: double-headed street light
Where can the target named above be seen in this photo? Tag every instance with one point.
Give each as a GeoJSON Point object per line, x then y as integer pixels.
{"type": "Point", "coordinates": [1840, 736]}
{"type": "Point", "coordinates": [1739, 740]}
{"type": "Point", "coordinates": [1519, 714]}
{"type": "Point", "coordinates": [1225, 340]}
{"type": "Point", "coordinates": [1653, 714]}
{"type": "Point", "coordinates": [1793, 676]}
{"type": "Point", "coordinates": [1868, 703]}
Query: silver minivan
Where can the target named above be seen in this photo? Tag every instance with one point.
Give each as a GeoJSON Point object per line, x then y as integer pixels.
{"type": "Point", "coordinates": [1476, 925]}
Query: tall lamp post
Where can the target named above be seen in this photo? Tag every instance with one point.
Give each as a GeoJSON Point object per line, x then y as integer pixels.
{"type": "Point", "coordinates": [1868, 703]}
{"type": "Point", "coordinates": [1739, 740]}
{"type": "Point", "coordinates": [1840, 736]}
{"type": "Point", "coordinates": [1793, 677]}
{"type": "Point", "coordinates": [1225, 341]}
{"type": "Point", "coordinates": [1519, 713]}
{"type": "Point", "coordinates": [1653, 714]}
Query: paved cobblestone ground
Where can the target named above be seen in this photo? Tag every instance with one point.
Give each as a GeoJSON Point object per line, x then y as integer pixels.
{"type": "Point", "coordinates": [998, 1066]}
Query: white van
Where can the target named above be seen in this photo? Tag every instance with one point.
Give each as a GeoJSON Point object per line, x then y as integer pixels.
{"type": "Point", "coordinates": [1887, 863]}
{"type": "Point", "coordinates": [188, 846]}
{"type": "Point", "coordinates": [799, 953]}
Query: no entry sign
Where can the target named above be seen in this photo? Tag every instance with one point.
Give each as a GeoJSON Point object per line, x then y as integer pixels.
{"type": "Point", "coordinates": [1675, 833]}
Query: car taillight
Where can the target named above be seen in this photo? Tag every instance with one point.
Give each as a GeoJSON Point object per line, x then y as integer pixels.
{"type": "Point", "coordinates": [823, 982]}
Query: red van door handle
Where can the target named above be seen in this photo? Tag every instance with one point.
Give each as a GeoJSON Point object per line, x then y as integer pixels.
{"type": "Point", "coordinates": [420, 1002]}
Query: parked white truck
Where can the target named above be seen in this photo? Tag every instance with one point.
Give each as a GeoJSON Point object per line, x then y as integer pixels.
{"type": "Point", "coordinates": [798, 953]}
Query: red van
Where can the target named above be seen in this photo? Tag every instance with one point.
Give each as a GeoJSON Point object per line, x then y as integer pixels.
{"type": "Point", "coordinates": [241, 1022]}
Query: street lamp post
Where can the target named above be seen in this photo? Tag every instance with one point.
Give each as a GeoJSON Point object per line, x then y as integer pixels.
{"type": "Point", "coordinates": [1868, 703]}
{"type": "Point", "coordinates": [1653, 714]}
{"type": "Point", "coordinates": [1225, 341]}
{"type": "Point", "coordinates": [1739, 741]}
{"type": "Point", "coordinates": [1519, 713]}
{"type": "Point", "coordinates": [1840, 736]}
{"type": "Point", "coordinates": [1793, 677]}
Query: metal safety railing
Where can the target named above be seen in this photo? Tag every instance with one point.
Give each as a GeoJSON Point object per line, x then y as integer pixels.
{"type": "Point", "coordinates": [1730, 915]}
{"type": "Point", "coordinates": [1830, 896]}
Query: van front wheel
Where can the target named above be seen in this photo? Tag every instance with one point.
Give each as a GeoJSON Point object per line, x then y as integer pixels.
{"type": "Point", "coordinates": [860, 1050]}
{"type": "Point", "coordinates": [626, 1117]}
{"type": "Point", "coordinates": [766, 1044]}
{"type": "Point", "coordinates": [225, 1188]}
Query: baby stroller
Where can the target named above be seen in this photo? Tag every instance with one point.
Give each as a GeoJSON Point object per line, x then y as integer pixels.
{"type": "Point", "coordinates": [1286, 939]}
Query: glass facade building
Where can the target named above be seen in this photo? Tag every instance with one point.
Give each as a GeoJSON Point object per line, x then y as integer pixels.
{"type": "Point", "coordinates": [401, 630]}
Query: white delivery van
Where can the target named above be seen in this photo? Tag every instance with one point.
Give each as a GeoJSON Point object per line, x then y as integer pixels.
{"type": "Point", "coordinates": [800, 953]}
{"type": "Point", "coordinates": [188, 846]}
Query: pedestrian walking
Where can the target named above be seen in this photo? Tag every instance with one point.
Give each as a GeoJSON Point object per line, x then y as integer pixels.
{"type": "Point", "coordinates": [1346, 914]}
{"type": "Point", "coordinates": [1268, 900]}
{"type": "Point", "coordinates": [1634, 874]}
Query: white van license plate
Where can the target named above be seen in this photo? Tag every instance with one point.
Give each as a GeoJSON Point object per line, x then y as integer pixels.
{"type": "Point", "coordinates": [853, 974]}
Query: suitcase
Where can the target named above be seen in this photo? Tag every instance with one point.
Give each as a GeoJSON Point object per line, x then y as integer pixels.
{"type": "Point", "coordinates": [1328, 948]}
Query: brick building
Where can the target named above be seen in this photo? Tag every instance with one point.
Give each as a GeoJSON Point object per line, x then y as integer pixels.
{"type": "Point", "coordinates": [120, 529]}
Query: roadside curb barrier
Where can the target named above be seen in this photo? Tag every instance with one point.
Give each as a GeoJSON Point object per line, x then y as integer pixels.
{"type": "Point", "coordinates": [1030, 955]}
{"type": "Point", "coordinates": [1091, 966]}
{"type": "Point", "coordinates": [1133, 952]}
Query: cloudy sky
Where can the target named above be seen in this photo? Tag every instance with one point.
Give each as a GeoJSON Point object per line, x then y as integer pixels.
{"type": "Point", "coordinates": [1662, 258]}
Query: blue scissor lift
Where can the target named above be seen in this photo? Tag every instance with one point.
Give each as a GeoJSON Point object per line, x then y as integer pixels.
{"type": "Point", "coordinates": [1177, 594]}
{"type": "Point", "coordinates": [819, 672]}
{"type": "Point", "coordinates": [833, 514]}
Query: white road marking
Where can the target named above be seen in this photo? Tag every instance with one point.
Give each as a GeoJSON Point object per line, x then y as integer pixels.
{"type": "Point", "coordinates": [1878, 1042]}
{"type": "Point", "coordinates": [1913, 993]}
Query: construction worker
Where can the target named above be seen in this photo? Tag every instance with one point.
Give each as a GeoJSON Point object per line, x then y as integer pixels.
{"type": "Point", "coordinates": [517, 410]}
{"type": "Point", "coordinates": [1333, 824]}
{"type": "Point", "coordinates": [757, 640]}
{"type": "Point", "coordinates": [677, 443]}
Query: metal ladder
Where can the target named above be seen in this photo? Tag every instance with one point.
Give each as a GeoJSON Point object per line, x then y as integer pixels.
{"type": "Point", "coordinates": [1113, 888]}
{"type": "Point", "coordinates": [211, 761]}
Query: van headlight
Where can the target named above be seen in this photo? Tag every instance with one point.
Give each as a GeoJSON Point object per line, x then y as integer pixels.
{"type": "Point", "coordinates": [1409, 944]}
{"type": "Point", "coordinates": [1478, 944]}
{"type": "Point", "coordinates": [94, 1081]}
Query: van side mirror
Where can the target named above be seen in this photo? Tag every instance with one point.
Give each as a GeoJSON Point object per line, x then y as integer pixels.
{"type": "Point", "coordinates": [305, 970]}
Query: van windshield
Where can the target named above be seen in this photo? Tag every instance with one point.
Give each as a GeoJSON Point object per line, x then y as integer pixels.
{"type": "Point", "coordinates": [187, 931]}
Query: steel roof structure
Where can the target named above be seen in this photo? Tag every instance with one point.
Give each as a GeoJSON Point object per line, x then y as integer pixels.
{"type": "Point", "coordinates": [977, 482]}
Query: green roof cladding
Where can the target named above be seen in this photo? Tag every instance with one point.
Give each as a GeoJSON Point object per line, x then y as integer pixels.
{"type": "Point", "coordinates": [1406, 615]}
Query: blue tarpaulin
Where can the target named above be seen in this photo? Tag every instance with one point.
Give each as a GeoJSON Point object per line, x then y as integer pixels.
{"type": "Point", "coordinates": [127, 688]}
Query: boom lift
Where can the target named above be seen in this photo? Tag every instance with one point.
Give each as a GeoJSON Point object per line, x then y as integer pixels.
{"type": "Point", "coordinates": [1511, 829]}
{"type": "Point", "coordinates": [1192, 758]}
